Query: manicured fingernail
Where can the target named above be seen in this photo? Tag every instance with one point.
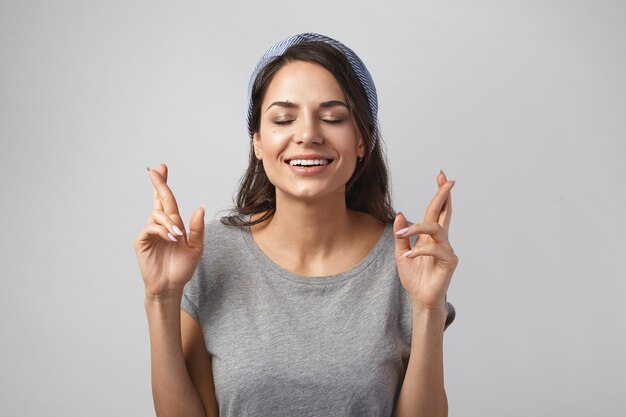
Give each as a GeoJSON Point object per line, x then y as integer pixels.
{"type": "Point", "coordinates": [402, 231]}
{"type": "Point", "coordinates": [177, 230]}
{"type": "Point", "coordinates": [172, 238]}
{"type": "Point", "coordinates": [407, 254]}
{"type": "Point", "coordinates": [148, 169]}
{"type": "Point", "coordinates": [441, 172]}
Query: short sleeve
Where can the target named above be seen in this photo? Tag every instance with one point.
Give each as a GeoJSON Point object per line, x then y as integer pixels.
{"type": "Point", "coordinates": [190, 300]}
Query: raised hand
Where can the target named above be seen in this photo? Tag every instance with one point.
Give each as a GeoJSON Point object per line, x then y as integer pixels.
{"type": "Point", "coordinates": [167, 257]}
{"type": "Point", "coordinates": [426, 268]}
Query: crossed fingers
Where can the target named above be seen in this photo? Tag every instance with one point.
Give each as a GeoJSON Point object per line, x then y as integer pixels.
{"type": "Point", "coordinates": [163, 196]}
{"type": "Point", "coordinates": [440, 208]}
{"type": "Point", "coordinates": [165, 207]}
{"type": "Point", "coordinates": [433, 232]}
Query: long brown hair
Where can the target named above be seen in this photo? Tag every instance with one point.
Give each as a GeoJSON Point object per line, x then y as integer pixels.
{"type": "Point", "coordinates": [367, 190]}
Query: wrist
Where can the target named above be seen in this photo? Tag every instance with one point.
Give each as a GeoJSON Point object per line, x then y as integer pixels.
{"type": "Point", "coordinates": [163, 309]}
{"type": "Point", "coordinates": [165, 298]}
{"type": "Point", "coordinates": [438, 313]}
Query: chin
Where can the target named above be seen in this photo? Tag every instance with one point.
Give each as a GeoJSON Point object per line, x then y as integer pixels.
{"type": "Point", "coordinates": [314, 194]}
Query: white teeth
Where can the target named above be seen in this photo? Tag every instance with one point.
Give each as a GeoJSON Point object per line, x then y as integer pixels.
{"type": "Point", "coordinates": [308, 162]}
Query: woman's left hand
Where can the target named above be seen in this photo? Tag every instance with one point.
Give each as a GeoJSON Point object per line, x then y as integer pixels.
{"type": "Point", "coordinates": [426, 268]}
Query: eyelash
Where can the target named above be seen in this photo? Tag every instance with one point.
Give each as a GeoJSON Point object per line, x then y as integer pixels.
{"type": "Point", "coordinates": [286, 122]}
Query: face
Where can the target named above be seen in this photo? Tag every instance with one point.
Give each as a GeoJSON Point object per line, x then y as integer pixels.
{"type": "Point", "coordinates": [308, 140]}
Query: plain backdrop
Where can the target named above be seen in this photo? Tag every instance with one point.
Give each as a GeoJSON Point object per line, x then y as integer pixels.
{"type": "Point", "coordinates": [523, 103]}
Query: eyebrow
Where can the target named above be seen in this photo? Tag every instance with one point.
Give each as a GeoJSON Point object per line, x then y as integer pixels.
{"type": "Point", "coordinates": [291, 105]}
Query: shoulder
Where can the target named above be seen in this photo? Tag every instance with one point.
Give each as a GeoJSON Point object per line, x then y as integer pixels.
{"type": "Point", "coordinates": [222, 247]}
{"type": "Point", "coordinates": [222, 244]}
{"type": "Point", "coordinates": [215, 232]}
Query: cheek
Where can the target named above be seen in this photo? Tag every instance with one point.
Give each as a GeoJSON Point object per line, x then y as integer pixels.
{"type": "Point", "coordinates": [272, 146]}
{"type": "Point", "coordinates": [273, 140]}
{"type": "Point", "coordinates": [350, 145]}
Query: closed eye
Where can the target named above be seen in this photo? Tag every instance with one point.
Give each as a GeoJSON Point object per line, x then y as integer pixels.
{"type": "Point", "coordinates": [283, 122]}
{"type": "Point", "coordinates": [333, 121]}
{"type": "Point", "coordinates": [286, 122]}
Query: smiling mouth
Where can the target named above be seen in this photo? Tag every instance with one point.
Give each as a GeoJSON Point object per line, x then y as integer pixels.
{"type": "Point", "coordinates": [308, 162]}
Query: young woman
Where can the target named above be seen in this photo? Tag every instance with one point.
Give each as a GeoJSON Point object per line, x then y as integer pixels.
{"type": "Point", "coordinates": [313, 298]}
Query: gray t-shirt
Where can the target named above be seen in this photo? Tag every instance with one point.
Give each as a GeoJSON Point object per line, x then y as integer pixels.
{"type": "Point", "coordinates": [288, 345]}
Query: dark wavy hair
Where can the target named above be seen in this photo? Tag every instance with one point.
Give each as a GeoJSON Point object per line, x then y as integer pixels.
{"type": "Point", "coordinates": [368, 189]}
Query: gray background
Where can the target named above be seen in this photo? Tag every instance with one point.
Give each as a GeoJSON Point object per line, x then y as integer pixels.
{"type": "Point", "coordinates": [523, 103]}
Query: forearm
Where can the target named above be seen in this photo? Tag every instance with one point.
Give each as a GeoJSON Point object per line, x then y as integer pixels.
{"type": "Point", "coordinates": [422, 393]}
{"type": "Point", "coordinates": [173, 391]}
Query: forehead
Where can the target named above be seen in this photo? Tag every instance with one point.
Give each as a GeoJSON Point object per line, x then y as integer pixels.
{"type": "Point", "coordinates": [302, 81]}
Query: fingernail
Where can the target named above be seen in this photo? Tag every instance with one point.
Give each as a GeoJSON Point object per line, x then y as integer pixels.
{"type": "Point", "coordinates": [406, 254]}
{"type": "Point", "coordinates": [172, 238]}
{"type": "Point", "coordinates": [441, 172]}
{"type": "Point", "coordinates": [148, 169]}
{"type": "Point", "coordinates": [177, 230]}
{"type": "Point", "coordinates": [402, 231]}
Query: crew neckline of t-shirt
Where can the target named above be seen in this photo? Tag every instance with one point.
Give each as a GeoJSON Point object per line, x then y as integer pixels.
{"type": "Point", "coordinates": [316, 280]}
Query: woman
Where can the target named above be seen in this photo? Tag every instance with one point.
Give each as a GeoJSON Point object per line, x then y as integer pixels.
{"type": "Point", "coordinates": [313, 298]}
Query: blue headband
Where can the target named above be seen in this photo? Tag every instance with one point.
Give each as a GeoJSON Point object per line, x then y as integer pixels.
{"type": "Point", "coordinates": [355, 62]}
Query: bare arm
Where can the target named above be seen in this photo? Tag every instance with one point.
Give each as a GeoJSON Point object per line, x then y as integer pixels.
{"type": "Point", "coordinates": [174, 392]}
{"type": "Point", "coordinates": [182, 383]}
{"type": "Point", "coordinates": [425, 270]}
{"type": "Point", "coordinates": [198, 363]}
{"type": "Point", "coordinates": [423, 392]}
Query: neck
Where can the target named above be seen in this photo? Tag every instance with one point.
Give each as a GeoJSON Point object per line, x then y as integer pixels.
{"type": "Point", "coordinates": [317, 237]}
{"type": "Point", "coordinates": [318, 223]}
{"type": "Point", "coordinates": [305, 228]}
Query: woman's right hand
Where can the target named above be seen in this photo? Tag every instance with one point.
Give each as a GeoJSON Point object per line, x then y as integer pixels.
{"type": "Point", "coordinates": [167, 257]}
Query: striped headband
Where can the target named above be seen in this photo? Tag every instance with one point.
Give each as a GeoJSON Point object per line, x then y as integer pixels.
{"type": "Point", "coordinates": [357, 65]}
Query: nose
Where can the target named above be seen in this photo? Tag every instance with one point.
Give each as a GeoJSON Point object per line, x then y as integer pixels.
{"type": "Point", "coordinates": [309, 131]}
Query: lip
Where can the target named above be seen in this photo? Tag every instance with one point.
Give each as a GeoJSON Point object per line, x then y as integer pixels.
{"type": "Point", "coordinates": [308, 170]}
{"type": "Point", "coordinates": [307, 157]}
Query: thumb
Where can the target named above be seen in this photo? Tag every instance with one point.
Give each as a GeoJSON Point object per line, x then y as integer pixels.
{"type": "Point", "coordinates": [402, 243]}
{"type": "Point", "coordinates": [196, 229]}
